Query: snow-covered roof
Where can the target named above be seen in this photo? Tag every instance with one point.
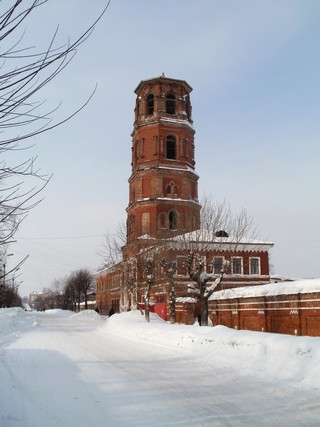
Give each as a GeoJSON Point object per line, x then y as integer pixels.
{"type": "Point", "coordinates": [88, 303]}
{"type": "Point", "coordinates": [186, 299]}
{"type": "Point", "coordinates": [205, 236]}
{"type": "Point", "coordinates": [109, 268]}
{"type": "Point", "coordinates": [272, 289]}
{"type": "Point", "coordinates": [213, 242]}
{"type": "Point", "coordinates": [146, 237]}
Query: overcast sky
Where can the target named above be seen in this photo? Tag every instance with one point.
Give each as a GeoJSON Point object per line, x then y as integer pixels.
{"type": "Point", "coordinates": [255, 72]}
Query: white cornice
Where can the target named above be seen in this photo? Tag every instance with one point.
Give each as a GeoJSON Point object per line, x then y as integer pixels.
{"type": "Point", "coordinates": [176, 121]}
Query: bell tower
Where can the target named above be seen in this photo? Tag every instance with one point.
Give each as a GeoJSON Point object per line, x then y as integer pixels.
{"type": "Point", "coordinates": [163, 186]}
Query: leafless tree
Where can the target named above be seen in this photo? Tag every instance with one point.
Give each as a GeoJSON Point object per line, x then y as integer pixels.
{"type": "Point", "coordinates": [219, 226]}
{"type": "Point", "coordinates": [85, 279]}
{"type": "Point", "coordinates": [24, 71]}
{"type": "Point", "coordinates": [129, 284]}
{"type": "Point", "coordinates": [170, 269]}
{"type": "Point", "coordinates": [53, 295]}
{"type": "Point", "coordinates": [81, 283]}
{"type": "Point", "coordinates": [13, 298]}
{"type": "Point", "coordinates": [202, 290]}
{"type": "Point", "coordinates": [111, 251]}
{"type": "Point", "coordinates": [219, 221]}
{"type": "Point", "coordinates": [149, 271]}
{"type": "Point", "coordinates": [69, 296]}
{"type": "Point", "coordinates": [9, 295]}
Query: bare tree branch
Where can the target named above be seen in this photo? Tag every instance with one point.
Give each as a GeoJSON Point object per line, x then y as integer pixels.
{"type": "Point", "coordinates": [24, 72]}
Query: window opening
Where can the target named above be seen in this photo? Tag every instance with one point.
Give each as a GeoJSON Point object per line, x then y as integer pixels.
{"type": "Point", "coordinates": [254, 266]}
{"type": "Point", "coordinates": [170, 104]}
{"type": "Point", "coordinates": [150, 103]}
{"type": "Point", "coordinates": [172, 220]}
{"type": "Point", "coordinates": [237, 265]}
{"type": "Point", "coordinates": [171, 147]}
{"type": "Point", "coordinates": [217, 265]}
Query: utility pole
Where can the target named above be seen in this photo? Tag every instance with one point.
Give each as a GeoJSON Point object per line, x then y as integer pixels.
{"type": "Point", "coordinates": [3, 284]}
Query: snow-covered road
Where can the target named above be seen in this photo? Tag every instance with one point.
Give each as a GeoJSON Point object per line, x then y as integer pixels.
{"type": "Point", "coordinates": [59, 369]}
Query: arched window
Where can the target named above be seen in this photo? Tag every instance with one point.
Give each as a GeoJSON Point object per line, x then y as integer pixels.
{"type": "Point", "coordinates": [171, 147]}
{"type": "Point", "coordinates": [170, 103]}
{"type": "Point", "coordinates": [150, 104]}
{"type": "Point", "coordinates": [172, 220]}
{"type": "Point", "coordinates": [172, 188]}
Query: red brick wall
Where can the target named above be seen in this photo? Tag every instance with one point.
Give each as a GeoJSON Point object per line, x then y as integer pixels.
{"type": "Point", "coordinates": [296, 314]}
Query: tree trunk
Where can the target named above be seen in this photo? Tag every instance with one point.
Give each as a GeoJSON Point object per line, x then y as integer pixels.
{"type": "Point", "coordinates": [146, 310]}
{"type": "Point", "coordinates": [172, 303]}
{"type": "Point", "coordinates": [146, 304]}
{"type": "Point", "coordinates": [204, 311]}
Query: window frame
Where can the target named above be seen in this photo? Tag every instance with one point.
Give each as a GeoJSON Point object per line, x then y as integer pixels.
{"type": "Point", "coordinates": [233, 259]}
{"type": "Point", "coordinates": [222, 258]}
{"type": "Point", "coordinates": [258, 266]}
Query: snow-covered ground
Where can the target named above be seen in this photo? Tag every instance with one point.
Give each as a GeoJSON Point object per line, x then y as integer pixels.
{"type": "Point", "coordinates": [74, 370]}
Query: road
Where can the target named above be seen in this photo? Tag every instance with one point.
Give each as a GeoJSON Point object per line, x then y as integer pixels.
{"type": "Point", "coordinates": [73, 372]}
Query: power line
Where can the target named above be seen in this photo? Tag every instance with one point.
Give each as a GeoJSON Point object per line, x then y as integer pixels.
{"type": "Point", "coordinates": [62, 237]}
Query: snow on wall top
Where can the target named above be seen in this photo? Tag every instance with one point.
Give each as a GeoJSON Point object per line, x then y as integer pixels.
{"type": "Point", "coordinates": [272, 289]}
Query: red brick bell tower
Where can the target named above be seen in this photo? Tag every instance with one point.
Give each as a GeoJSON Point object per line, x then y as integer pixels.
{"type": "Point", "coordinates": [163, 186]}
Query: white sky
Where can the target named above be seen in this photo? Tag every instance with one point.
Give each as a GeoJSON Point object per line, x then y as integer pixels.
{"type": "Point", "coordinates": [255, 72]}
{"type": "Point", "coordinates": [63, 369]}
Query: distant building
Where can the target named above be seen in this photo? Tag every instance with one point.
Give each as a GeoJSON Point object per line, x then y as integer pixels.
{"type": "Point", "coordinates": [36, 300]}
{"type": "Point", "coordinates": [91, 302]}
{"type": "Point", "coordinates": [164, 211]}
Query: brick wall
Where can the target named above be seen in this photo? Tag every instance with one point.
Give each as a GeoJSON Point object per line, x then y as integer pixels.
{"type": "Point", "coordinates": [294, 314]}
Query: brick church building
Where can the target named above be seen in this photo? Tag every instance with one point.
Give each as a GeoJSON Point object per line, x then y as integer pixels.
{"type": "Point", "coordinates": [163, 213]}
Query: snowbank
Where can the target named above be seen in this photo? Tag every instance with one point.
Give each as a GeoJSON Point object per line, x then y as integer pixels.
{"type": "Point", "coordinates": [256, 353]}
